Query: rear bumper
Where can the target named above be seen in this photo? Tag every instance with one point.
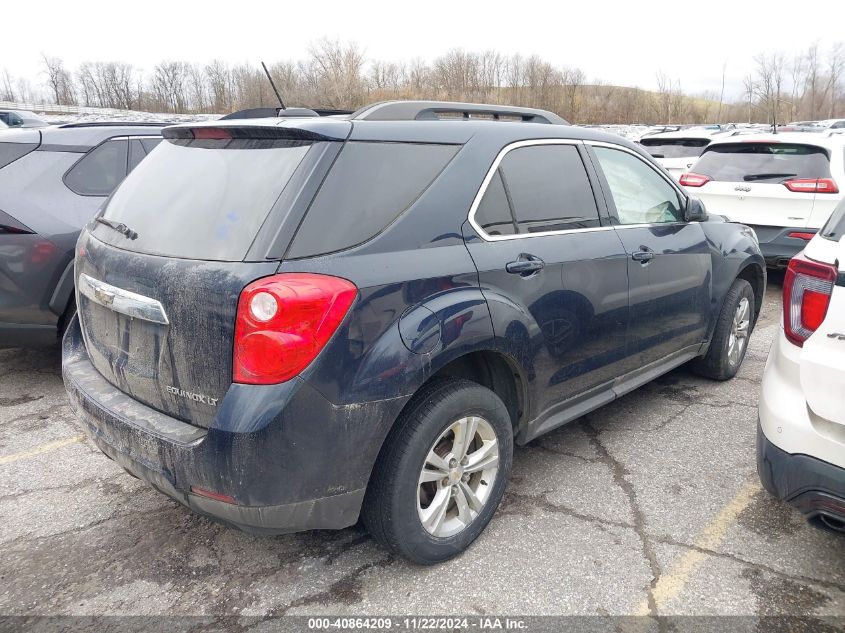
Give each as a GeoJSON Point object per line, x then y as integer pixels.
{"type": "Point", "coordinates": [776, 245]}
{"type": "Point", "coordinates": [295, 461]}
{"type": "Point", "coordinates": [23, 335]}
{"type": "Point", "coordinates": [816, 488]}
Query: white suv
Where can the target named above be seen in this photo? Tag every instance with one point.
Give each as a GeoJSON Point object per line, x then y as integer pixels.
{"type": "Point", "coordinates": [801, 437]}
{"type": "Point", "coordinates": [785, 186]}
{"type": "Point", "coordinates": [677, 151]}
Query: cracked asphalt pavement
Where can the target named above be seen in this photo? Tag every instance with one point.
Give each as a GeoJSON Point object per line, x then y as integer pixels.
{"type": "Point", "coordinates": [650, 505]}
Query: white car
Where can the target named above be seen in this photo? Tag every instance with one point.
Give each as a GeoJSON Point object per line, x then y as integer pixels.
{"type": "Point", "coordinates": [801, 437]}
{"type": "Point", "coordinates": [677, 151]}
{"type": "Point", "coordinates": [785, 186]}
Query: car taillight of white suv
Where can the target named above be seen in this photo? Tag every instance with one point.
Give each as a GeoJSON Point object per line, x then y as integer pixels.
{"type": "Point", "coordinates": [801, 437]}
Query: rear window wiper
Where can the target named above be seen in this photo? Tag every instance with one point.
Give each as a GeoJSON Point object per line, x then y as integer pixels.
{"type": "Point", "coordinates": [751, 177]}
{"type": "Point", "coordinates": [120, 227]}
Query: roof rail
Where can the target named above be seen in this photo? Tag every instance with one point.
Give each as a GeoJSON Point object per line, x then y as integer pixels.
{"type": "Point", "coordinates": [433, 110]}
{"type": "Point", "coordinates": [116, 124]}
{"type": "Point", "coordinates": [263, 113]}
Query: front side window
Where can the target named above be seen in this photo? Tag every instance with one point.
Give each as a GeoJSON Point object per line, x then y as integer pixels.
{"type": "Point", "coordinates": [537, 189]}
{"type": "Point", "coordinates": [641, 195]}
{"type": "Point", "coordinates": [100, 171]}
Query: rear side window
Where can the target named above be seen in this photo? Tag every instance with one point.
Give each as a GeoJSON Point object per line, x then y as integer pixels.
{"type": "Point", "coordinates": [368, 187]}
{"type": "Point", "coordinates": [763, 162]}
{"type": "Point", "coordinates": [674, 147]}
{"type": "Point", "coordinates": [139, 148]}
{"type": "Point", "coordinates": [546, 188]}
{"type": "Point", "coordinates": [834, 228]}
{"type": "Point", "coordinates": [100, 170]}
{"type": "Point", "coordinates": [494, 213]}
{"type": "Point", "coordinates": [10, 152]}
{"type": "Point", "coordinates": [201, 199]}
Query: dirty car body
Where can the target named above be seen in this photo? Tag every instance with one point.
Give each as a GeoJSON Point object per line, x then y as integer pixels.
{"type": "Point", "coordinates": [392, 207]}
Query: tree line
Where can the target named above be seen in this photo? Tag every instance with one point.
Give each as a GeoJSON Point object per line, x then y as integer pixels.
{"type": "Point", "coordinates": [337, 74]}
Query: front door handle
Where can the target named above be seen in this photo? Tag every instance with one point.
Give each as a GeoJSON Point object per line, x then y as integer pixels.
{"type": "Point", "coordinates": [644, 255]}
{"type": "Point", "coordinates": [525, 265]}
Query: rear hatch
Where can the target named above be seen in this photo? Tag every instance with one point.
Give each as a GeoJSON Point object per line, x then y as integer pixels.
{"type": "Point", "coordinates": [766, 183]}
{"type": "Point", "coordinates": [160, 273]}
{"type": "Point", "coordinates": [675, 154]}
{"type": "Point", "coordinates": [823, 354]}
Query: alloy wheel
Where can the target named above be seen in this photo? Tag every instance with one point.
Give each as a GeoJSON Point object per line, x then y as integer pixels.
{"type": "Point", "coordinates": [458, 476]}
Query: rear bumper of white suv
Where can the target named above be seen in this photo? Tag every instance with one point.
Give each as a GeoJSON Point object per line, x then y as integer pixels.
{"type": "Point", "coordinates": [798, 460]}
{"type": "Point", "coordinates": [814, 487]}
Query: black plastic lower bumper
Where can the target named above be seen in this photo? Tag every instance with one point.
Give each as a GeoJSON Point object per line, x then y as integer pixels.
{"type": "Point", "coordinates": [814, 487]}
{"type": "Point", "coordinates": [776, 245]}
{"type": "Point", "coordinates": [23, 335]}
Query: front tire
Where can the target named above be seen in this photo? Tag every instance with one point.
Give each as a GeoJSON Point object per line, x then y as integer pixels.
{"type": "Point", "coordinates": [730, 338]}
{"type": "Point", "coordinates": [442, 472]}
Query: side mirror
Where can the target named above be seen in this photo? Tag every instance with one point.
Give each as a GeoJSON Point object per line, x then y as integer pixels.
{"type": "Point", "coordinates": [694, 211]}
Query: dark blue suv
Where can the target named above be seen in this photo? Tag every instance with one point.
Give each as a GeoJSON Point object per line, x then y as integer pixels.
{"type": "Point", "coordinates": [287, 323]}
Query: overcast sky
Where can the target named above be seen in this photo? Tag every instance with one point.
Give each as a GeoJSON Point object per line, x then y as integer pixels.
{"type": "Point", "coordinates": [621, 42]}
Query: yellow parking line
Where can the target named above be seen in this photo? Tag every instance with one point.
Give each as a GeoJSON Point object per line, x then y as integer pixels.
{"type": "Point", "coordinates": [38, 450]}
{"type": "Point", "coordinates": [670, 585]}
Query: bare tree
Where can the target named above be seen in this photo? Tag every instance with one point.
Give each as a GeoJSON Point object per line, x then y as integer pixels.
{"type": "Point", "coordinates": [59, 80]}
{"type": "Point", "coordinates": [7, 90]}
{"type": "Point", "coordinates": [834, 72]}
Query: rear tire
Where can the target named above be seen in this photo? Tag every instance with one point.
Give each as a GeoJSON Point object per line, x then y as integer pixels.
{"type": "Point", "coordinates": [432, 493]}
{"type": "Point", "coordinates": [730, 338]}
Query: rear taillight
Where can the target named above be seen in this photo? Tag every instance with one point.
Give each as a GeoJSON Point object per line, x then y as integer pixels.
{"type": "Point", "coordinates": [693, 180]}
{"type": "Point", "coordinates": [812, 185]}
{"type": "Point", "coordinates": [801, 235]}
{"type": "Point", "coordinates": [807, 288]}
{"type": "Point", "coordinates": [284, 321]}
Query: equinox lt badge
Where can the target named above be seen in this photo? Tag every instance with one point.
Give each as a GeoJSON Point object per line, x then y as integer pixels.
{"type": "Point", "coordinates": [196, 397]}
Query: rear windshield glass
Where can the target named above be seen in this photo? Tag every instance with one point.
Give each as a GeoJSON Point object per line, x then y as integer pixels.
{"type": "Point", "coordinates": [834, 228]}
{"type": "Point", "coordinates": [369, 186]}
{"type": "Point", "coordinates": [201, 199]}
{"type": "Point", "coordinates": [675, 147]}
{"type": "Point", "coordinates": [763, 162]}
{"type": "Point", "coordinates": [10, 152]}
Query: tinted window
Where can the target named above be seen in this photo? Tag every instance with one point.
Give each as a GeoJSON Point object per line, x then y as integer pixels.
{"type": "Point", "coordinates": [675, 147]}
{"type": "Point", "coordinates": [201, 199]}
{"type": "Point", "coordinates": [136, 153]}
{"type": "Point", "coordinates": [641, 195]}
{"type": "Point", "coordinates": [548, 188]}
{"type": "Point", "coordinates": [100, 170]}
{"type": "Point", "coordinates": [150, 143]}
{"type": "Point", "coordinates": [10, 152]}
{"type": "Point", "coordinates": [834, 228]}
{"type": "Point", "coordinates": [368, 187]}
{"type": "Point", "coordinates": [494, 213]}
{"type": "Point", "coordinates": [763, 162]}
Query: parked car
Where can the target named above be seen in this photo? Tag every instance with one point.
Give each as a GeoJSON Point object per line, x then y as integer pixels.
{"type": "Point", "coordinates": [801, 435]}
{"type": "Point", "coordinates": [285, 323]}
{"type": "Point", "coordinates": [677, 151]}
{"type": "Point", "coordinates": [52, 181]}
{"type": "Point", "coordinates": [785, 186]}
{"type": "Point", "coordinates": [22, 118]}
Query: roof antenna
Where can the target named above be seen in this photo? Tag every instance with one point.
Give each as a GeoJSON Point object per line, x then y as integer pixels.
{"type": "Point", "coordinates": [270, 79]}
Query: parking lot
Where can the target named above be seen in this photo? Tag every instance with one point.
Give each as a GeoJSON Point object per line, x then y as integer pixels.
{"type": "Point", "coordinates": [650, 505]}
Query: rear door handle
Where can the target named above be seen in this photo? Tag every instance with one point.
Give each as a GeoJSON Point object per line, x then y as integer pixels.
{"type": "Point", "coordinates": [525, 265]}
{"type": "Point", "coordinates": [645, 254]}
